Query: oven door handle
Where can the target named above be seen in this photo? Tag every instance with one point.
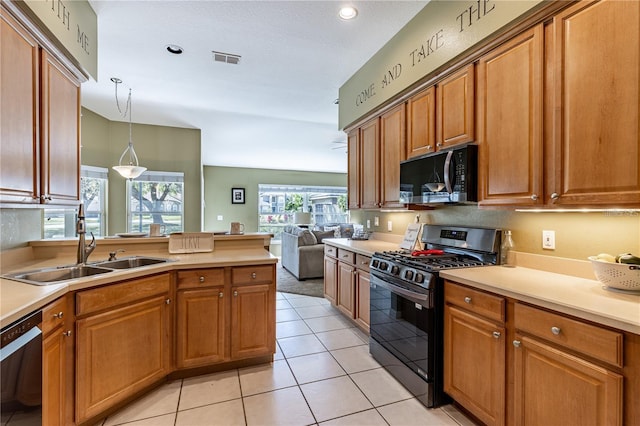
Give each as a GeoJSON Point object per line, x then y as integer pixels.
{"type": "Point", "coordinates": [423, 299]}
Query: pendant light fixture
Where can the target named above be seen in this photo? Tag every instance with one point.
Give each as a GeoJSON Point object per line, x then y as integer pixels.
{"type": "Point", "coordinates": [131, 170]}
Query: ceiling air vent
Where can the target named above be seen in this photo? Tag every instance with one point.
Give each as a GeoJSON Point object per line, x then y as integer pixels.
{"type": "Point", "coordinates": [226, 57]}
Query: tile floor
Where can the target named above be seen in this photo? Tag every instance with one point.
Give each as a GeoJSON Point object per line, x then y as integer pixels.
{"type": "Point", "coordinates": [322, 374]}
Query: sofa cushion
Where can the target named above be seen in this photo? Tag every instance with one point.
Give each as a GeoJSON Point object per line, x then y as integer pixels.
{"type": "Point", "coordinates": [321, 235]}
{"type": "Point", "coordinates": [306, 238]}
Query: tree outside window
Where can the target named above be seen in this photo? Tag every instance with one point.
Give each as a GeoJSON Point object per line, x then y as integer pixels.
{"type": "Point", "coordinates": [156, 197]}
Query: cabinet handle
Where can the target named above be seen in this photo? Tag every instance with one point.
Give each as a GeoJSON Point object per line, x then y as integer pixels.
{"type": "Point", "coordinates": [467, 299]}
{"type": "Point", "coordinates": [235, 294]}
{"type": "Point", "coordinates": [496, 334]}
{"type": "Point", "coordinates": [201, 279]}
{"type": "Point", "coordinates": [555, 196]}
{"type": "Point", "coordinates": [59, 315]}
{"type": "Point", "coordinates": [439, 144]}
{"type": "Point", "coordinates": [67, 333]}
{"type": "Point", "coordinates": [534, 197]}
{"type": "Point", "coordinates": [555, 330]}
{"type": "Point", "coordinates": [253, 275]}
{"type": "Point", "coordinates": [517, 343]}
{"type": "Point", "coordinates": [168, 301]}
{"type": "Point", "coordinates": [220, 295]}
{"type": "Point", "coordinates": [429, 147]}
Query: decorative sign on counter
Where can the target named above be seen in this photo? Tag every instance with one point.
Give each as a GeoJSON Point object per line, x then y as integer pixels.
{"type": "Point", "coordinates": [190, 242]}
{"type": "Point", "coordinates": [410, 236]}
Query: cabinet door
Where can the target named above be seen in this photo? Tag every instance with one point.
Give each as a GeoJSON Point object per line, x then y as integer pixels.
{"type": "Point", "coordinates": [200, 327]}
{"type": "Point", "coordinates": [456, 109]}
{"type": "Point", "coordinates": [510, 96]}
{"type": "Point", "coordinates": [421, 123]}
{"type": "Point", "coordinates": [330, 279]}
{"type": "Point", "coordinates": [346, 289]}
{"type": "Point", "coordinates": [19, 78]}
{"type": "Point", "coordinates": [474, 364]}
{"type": "Point", "coordinates": [54, 373]}
{"type": "Point", "coordinates": [119, 353]}
{"type": "Point", "coordinates": [253, 321]}
{"type": "Point", "coordinates": [363, 311]}
{"type": "Point", "coordinates": [370, 165]}
{"type": "Point", "coordinates": [554, 387]}
{"type": "Point", "coordinates": [353, 170]}
{"type": "Point", "coordinates": [392, 149]}
{"type": "Point", "coordinates": [596, 157]}
{"type": "Point", "coordinates": [60, 129]}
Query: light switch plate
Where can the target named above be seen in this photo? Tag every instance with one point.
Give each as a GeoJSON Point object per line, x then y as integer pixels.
{"type": "Point", "coordinates": [219, 217]}
{"type": "Point", "coordinates": [549, 240]}
{"type": "Point", "coordinates": [389, 226]}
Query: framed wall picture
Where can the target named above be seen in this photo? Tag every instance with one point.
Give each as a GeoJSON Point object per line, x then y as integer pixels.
{"type": "Point", "coordinates": [237, 195]}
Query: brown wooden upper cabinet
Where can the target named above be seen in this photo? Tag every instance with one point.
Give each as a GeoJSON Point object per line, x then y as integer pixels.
{"type": "Point", "coordinates": [353, 168]}
{"type": "Point", "coordinates": [455, 110]}
{"type": "Point", "coordinates": [370, 164]}
{"type": "Point", "coordinates": [421, 123]}
{"type": "Point", "coordinates": [594, 158]}
{"type": "Point", "coordinates": [41, 129]}
{"type": "Point", "coordinates": [510, 94]}
{"type": "Point", "coordinates": [393, 151]}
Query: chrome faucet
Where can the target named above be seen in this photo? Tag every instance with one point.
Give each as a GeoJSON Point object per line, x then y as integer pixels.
{"type": "Point", "coordinates": [84, 250]}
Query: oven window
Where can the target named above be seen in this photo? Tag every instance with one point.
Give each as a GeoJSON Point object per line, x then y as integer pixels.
{"type": "Point", "coordinates": [403, 328]}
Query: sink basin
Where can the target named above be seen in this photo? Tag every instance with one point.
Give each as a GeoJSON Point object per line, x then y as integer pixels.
{"type": "Point", "coordinates": [56, 275]}
{"type": "Point", "coordinates": [132, 262]}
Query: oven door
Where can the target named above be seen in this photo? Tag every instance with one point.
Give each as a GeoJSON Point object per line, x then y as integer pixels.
{"type": "Point", "coordinates": [402, 323]}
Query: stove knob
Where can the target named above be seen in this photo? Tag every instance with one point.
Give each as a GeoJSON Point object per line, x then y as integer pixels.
{"type": "Point", "coordinates": [408, 275]}
{"type": "Point", "coordinates": [374, 263]}
{"type": "Point", "coordinates": [419, 278]}
{"type": "Point", "coordinates": [383, 266]}
{"type": "Point", "coordinates": [395, 270]}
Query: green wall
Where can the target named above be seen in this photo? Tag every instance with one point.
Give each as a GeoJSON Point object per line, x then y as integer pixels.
{"type": "Point", "coordinates": [159, 148]}
{"type": "Point", "coordinates": [578, 235]}
{"type": "Point", "coordinates": [218, 182]}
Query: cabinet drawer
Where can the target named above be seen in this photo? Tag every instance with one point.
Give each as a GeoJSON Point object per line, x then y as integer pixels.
{"type": "Point", "coordinates": [252, 274]}
{"type": "Point", "coordinates": [195, 278]}
{"type": "Point", "coordinates": [479, 302]}
{"type": "Point", "coordinates": [330, 251]}
{"type": "Point", "coordinates": [98, 299]}
{"type": "Point", "coordinates": [591, 340]}
{"type": "Point", "coordinates": [346, 256]}
{"type": "Point", "coordinates": [54, 314]}
{"type": "Point", "coordinates": [362, 262]}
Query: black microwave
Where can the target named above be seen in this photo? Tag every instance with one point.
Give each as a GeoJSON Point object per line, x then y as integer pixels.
{"type": "Point", "coordinates": [441, 177]}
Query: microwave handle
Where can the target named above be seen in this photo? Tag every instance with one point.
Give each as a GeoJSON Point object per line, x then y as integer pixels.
{"type": "Point", "coordinates": [447, 175]}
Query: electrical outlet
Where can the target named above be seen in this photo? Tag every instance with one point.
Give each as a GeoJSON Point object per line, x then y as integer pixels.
{"type": "Point", "coordinates": [368, 223]}
{"type": "Point", "coordinates": [219, 217]}
{"type": "Point", "coordinates": [376, 221]}
{"type": "Point", "coordinates": [549, 240]}
{"type": "Point", "coordinates": [389, 226]}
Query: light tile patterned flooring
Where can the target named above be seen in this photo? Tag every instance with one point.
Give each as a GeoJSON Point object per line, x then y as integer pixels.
{"type": "Point", "coordinates": [322, 374]}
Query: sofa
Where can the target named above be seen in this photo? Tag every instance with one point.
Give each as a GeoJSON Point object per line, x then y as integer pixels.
{"type": "Point", "coordinates": [303, 249]}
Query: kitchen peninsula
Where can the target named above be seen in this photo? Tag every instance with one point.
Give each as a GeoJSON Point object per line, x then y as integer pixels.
{"type": "Point", "coordinates": [195, 313]}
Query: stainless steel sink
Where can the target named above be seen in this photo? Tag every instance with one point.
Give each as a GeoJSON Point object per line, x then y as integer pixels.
{"type": "Point", "coordinates": [49, 276]}
{"type": "Point", "coordinates": [131, 262]}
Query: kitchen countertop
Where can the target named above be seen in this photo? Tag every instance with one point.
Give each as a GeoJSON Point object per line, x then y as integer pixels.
{"type": "Point", "coordinates": [19, 299]}
{"type": "Point", "coordinates": [580, 297]}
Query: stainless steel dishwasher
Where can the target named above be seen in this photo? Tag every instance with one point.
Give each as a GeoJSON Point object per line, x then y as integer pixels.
{"type": "Point", "coordinates": [21, 371]}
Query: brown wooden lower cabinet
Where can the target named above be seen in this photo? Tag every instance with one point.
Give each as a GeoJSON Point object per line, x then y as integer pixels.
{"type": "Point", "coordinates": [331, 279]}
{"type": "Point", "coordinates": [252, 321]}
{"type": "Point", "coordinates": [363, 299]}
{"type": "Point", "coordinates": [123, 342]}
{"type": "Point", "coordinates": [346, 288]}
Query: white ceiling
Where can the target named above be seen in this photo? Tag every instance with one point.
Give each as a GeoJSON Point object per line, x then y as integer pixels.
{"type": "Point", "coordinates": [275, 109]}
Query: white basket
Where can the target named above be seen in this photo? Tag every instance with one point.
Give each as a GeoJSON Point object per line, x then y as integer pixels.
{"type": "Point", "coordinates": [622, 276]}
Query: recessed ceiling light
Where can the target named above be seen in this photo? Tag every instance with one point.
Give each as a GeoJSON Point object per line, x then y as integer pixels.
{"type": "Point", "coordinates": [175, 49]}
{"type": "Point", "coordinates": [348, 12]}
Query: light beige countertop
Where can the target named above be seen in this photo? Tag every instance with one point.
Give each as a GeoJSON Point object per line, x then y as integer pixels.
{"type": "Point", "coordinates": [364, 247]}
{"type": "Point", "coordinates": [580, 297]}
{"type": "Point", "coordinates": [19, 299]}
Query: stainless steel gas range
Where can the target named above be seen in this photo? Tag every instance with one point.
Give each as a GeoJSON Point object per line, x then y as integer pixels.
{"type": "Point", "coordinates": [407, 303]}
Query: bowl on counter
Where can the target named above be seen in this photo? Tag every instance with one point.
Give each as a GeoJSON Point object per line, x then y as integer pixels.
{"type": "Point", "coordinates": [621, 276]}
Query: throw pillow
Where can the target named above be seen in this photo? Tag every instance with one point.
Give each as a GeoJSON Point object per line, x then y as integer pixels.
{"type": "Point", "coordinates": [321, 235]}
{"type": "Point", "coordinates": [306, 238]}
{"type": "Point", "coordinates": [335, 229]}
{"type": "Point", "coordinates": [346, 230]}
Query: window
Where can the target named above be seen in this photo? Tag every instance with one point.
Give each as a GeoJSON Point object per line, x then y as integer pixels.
{"type": "Point", "coordinates": [61, 223]}
{"type": "Point", "coordinates": [156, 197]}
{"type": "Point", "coordinates": [278, 203]}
